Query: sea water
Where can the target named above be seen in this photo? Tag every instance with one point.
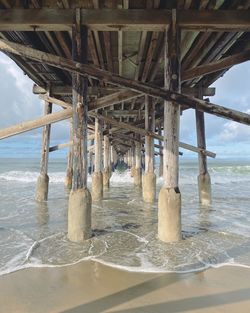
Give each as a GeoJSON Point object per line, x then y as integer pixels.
{"type": "Point", "coordinates": [124, 228]}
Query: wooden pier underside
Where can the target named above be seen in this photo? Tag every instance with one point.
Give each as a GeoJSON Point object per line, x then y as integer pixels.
{"type": "Point", "coordinates": [126, 38]}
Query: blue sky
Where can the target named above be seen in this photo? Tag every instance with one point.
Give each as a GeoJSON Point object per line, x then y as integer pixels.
{"type": "Point", "coordinates": [224, 137]}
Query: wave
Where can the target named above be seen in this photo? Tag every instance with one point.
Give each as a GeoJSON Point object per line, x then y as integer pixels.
{"type": "Point", "coordinates": [219, 174]}
{"type": "Point", "coordinates": [30, 177]}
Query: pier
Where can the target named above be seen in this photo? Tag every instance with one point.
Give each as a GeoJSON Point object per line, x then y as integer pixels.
{"type": "Point", "coordinates": [122, 73]}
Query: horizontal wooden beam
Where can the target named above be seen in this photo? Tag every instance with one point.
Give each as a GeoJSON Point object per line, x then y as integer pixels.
{"type": "Point", "coordinates": [60, 146]}
{"type": "Point", "coordinates": [67, 144]}
{"type": "Point", "coordinates": [112, 99]}
{"type": "Point", "coordinates": [98, 20]}
{"type": "Point", "coordinates": [46, 19]}
{"type": "Point", "coordinates": [144, 132]}
{"type": "Point", "coordinates": [126, 137]}
{"type": "Point", "coordinates": [216, 66]}
{"type": "Point", "coordinates": [99, 103]}
{"type": "Point", "coordinates": [95, 91]}
{"type": "Point", "coordinates": [125, 113]}
{"type": "Point", "coordinates": [137, 86]}
{"type": "Point", "coordinates": [36, 123]}
{"type": "Point", "coordinates": [214, 20]}
{"type": "Point", "coordinates": [207, 92]}
{"type": "Point", "coordinates": [67, 90]}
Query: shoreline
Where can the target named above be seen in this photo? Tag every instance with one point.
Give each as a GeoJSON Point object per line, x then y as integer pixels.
{"type": "Point", "coordinates": [90, 286]}
{"type": "Point", "coordinates": [124, 268]}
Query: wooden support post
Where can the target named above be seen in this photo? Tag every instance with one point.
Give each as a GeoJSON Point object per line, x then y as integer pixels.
{"type": "Point", "coordinates": [137, 172]}
{"type": "Point", "coordinates": [42, 186]}
{"type": "Point", "coordinates": [129, 158]}
{"type": "Point", "coordinates": [132, 172]}
{"type": "Point", "coordinates": [79, 213]}
{"type": "Point", "coordinates": [69, 172]}
{"type": "Point", "coordinates": [113, 158]}
{"type": "Point", "coordinates": [204, 181]}
{"type": "Point", "coordinates": [161, 155]}
{"type": "Point", "coordinates": [97, 177]}
{"type": "Point", "coordinates": [106, 162]}
{"type": "Point", "coordinates": [91, 157]}
{"type": "Point", "coordinates": [149, 178]}
{"type": "Point", "coordinates": [169, 205]}
{"type": "Point", "coordinates": [125, 159]}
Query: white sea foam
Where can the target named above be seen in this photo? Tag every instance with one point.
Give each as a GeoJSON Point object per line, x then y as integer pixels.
{"type": "Point", "coordinates": [123, 177]}
{"type": "Point", "coordinates": [220, 174]}
{"type": "Point", "coordinates": [30, 177]}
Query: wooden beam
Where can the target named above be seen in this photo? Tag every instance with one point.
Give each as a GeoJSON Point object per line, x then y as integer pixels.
{"type": "Point", "coordinates": [95, 19]}
{"type": "Point", "coordinates": [128, 138]}
{"type": "Point", "coordinates": [207, 92]}
{"type": "Point", "coordinates": [66, 90]}
{"type": "Point", "coordinates": [214, 20]}
{"type": "Point", "coordinates": [216, 66]}
{"type": "Point", "coordinates": [84, 69]}
{"type": "Point", "coordinates": [60, 146]}
{"type": "Point", "coordinates": [127, 20]}
{"type": "Point", "coordinates": [67, 144]}
{"type": "Point", "coordinates": [143, 132]}
{"type": "Point", "coordinates": [36, 123]}
{"type": "Point", "coordinates": [121, 113]}
{"type": "Point", "coordinates": [99, 103]}
{"type": "Point", "coordinates": [102, 91]}
{"type": "Point", "coordinates": [114, 98]}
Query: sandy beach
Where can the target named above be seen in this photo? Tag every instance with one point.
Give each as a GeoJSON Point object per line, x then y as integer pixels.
{"type": "Point", "coordinates": [91, 287]}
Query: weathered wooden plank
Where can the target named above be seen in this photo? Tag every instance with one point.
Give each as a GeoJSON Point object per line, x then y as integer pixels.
{"type": "Point", "coordinates": [97, 20]}
{"type": "Point", "coordinates": [68, 144]}
{"type": "Point", "coordinates": [207, 92]}
{"type": "Point", "coordinates": [127, 20]}
{"type": "Point", "coordinates": [215, 20]}
{"type": "Point", "coordinates": [114, 98]}
{"type": "Point", "coordinates": [95, 91]}
{"type": "Point", "coordinates": [216, 65]}
{"type": "Point", "coordinates": [60, 146]}
{"type": "Point", "coordinates": [145, 88]}
{"type": "Point", "coordinates": [36, 123]}
{"type": "Point", "coordinates": [66, 90]}
{"type": "Point", "coordinates": [99, 103]}
{"type": "Point", "coordinates": [56, 101]}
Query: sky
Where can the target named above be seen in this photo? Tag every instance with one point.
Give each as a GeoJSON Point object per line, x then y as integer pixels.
{"type": "Point", "coordinates": [224, 137]}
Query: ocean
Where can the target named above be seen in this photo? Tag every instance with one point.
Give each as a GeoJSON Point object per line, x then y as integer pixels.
{"type": "Point", "coordinates": [125, 228]}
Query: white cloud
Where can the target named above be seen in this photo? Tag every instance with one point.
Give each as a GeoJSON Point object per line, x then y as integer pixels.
{"type": "Point", "coordinates": [18, 103]}
{"type": "Point", "coordinates": [234, 132]}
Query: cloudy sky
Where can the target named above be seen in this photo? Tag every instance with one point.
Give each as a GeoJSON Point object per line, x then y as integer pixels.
{"type": "Point", "coordinates": [226, 138]}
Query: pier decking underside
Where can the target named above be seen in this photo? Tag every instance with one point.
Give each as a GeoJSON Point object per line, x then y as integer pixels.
{"type": "Point", "coordinates": [127, 50]}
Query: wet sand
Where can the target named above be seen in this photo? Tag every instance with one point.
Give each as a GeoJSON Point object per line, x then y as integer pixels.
{"type": "Point", "coordinates": [91, 287]}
